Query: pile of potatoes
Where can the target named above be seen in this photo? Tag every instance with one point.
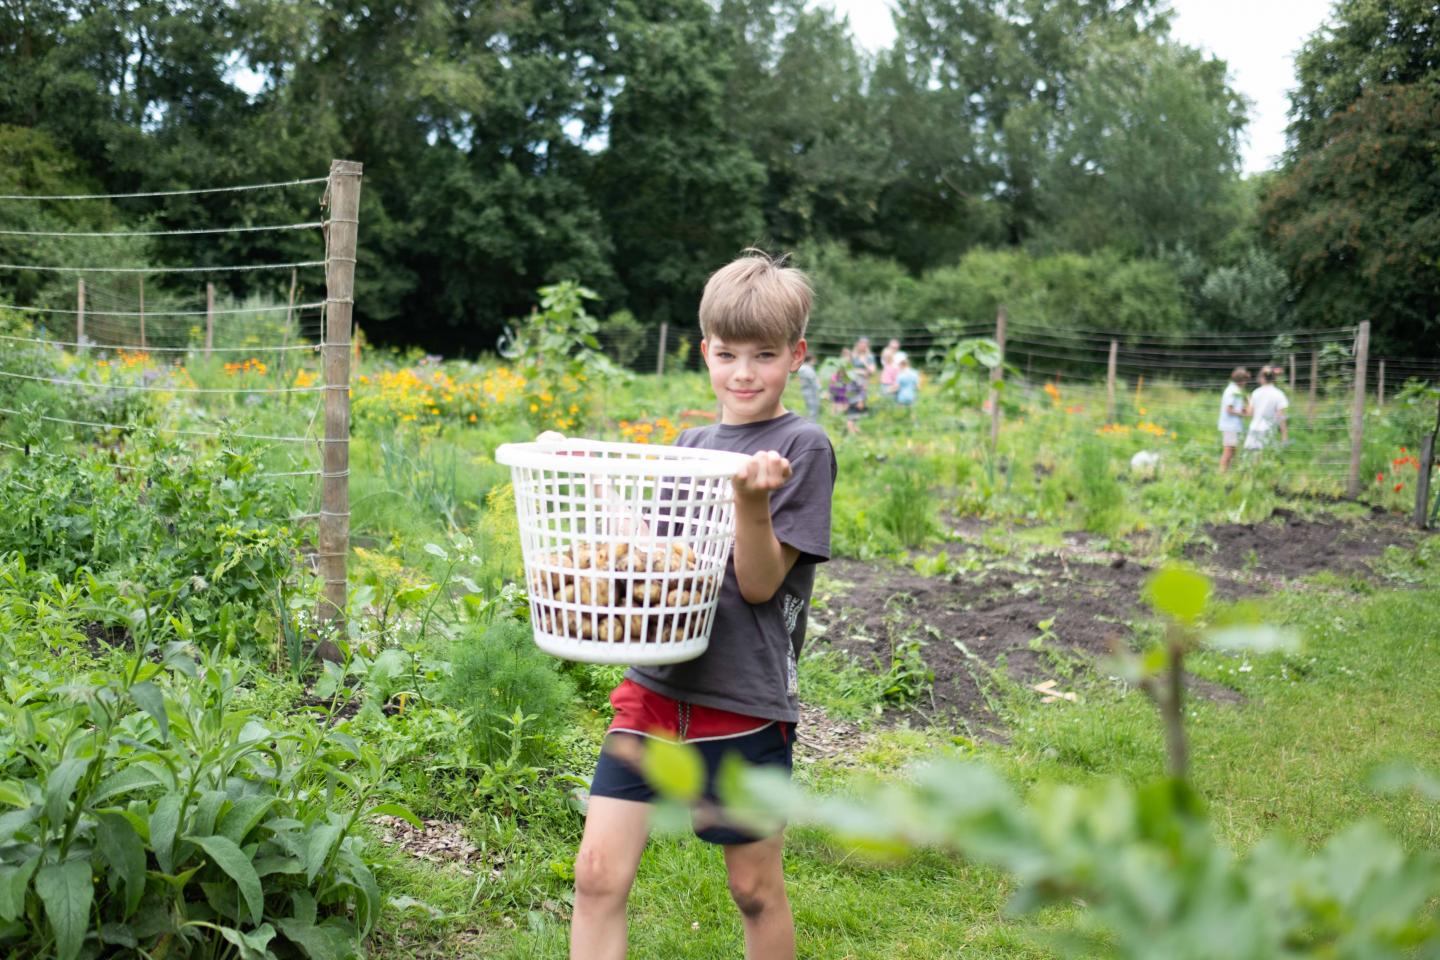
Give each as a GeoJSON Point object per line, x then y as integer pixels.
{"type": "Point", "coordinates": [655, 581]}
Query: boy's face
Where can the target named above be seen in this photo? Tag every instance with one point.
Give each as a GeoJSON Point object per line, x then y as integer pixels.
{"type": "Point", "coordinates": [749, 378]}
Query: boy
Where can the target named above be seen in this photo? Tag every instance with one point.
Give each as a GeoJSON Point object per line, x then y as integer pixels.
{"type": "Point", "coordinates": [740, 695]}
{"type": "Point", "coordinates": [1267, 411]}
{"type": "Point", "coordinates": [1233, 406]}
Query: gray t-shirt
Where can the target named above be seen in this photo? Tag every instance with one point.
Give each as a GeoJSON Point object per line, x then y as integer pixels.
{"type": "Point", "coordinates": [750, 664]}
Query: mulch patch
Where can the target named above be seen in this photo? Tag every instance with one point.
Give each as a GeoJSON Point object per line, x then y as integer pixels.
{"type": "Point", "coordinates": [973, 622]}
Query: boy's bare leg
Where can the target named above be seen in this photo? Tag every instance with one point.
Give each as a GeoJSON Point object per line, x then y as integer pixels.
{"type": "Point", "coordinates": [614, 839]}
{"type": "Point", "coordinates": [757, 883]}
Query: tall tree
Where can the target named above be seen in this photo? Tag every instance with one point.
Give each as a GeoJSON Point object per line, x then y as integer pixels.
{"type": "Point", "coordinates": [1353, 214]}
{"type": "Point", "coordinates": [682, 196]}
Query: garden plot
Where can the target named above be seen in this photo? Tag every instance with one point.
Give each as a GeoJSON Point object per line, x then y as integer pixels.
{"type": "Point", "coordinates": [1037, 619]}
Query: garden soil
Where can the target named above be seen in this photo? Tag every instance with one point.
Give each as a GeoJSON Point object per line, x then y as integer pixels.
{"type": "Point", "coordinates": [976, 623]}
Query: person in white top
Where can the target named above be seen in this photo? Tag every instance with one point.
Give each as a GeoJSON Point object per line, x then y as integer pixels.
{"type": "Point", "coordinates": [1267, 413]}
{"type": "Point", "coordinates": [1233, 407]}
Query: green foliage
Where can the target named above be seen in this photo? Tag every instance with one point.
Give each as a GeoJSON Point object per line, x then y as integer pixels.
{"type": "Point", "coordinates": [497, 670]}
{"type": "Point", "coordinates": [1348, 216]}
{"type": "Point", "coordinates": [1100, 494]}
{"type": "Point", "coordinates": [906, 508]}
{"type": "Point", "coordinates": [1145, 862]}
{"type": "Point", "coordinates": [207, 522]}
{"type": "Point", "coordinates": [625, 337]}
{"type": "Point", "coordinates": [555, 350]}
{"type": "Point", "coordinates": [148, 811]}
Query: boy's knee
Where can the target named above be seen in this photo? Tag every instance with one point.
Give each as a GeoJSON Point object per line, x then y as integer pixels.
{"type": "Point", "coordinates": [600, 877]}
{"type": "Point", "coordinates": [754, 894]}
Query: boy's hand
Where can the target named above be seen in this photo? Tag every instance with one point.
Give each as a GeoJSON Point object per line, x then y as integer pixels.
{"type": "Point", "coordinates": [761, 474]}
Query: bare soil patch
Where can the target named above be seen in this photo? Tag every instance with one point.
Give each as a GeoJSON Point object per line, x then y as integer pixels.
{"type": "Point", "coordinates": [1290, 546]}
{"type": "Point", "coordinates": [989, 619]}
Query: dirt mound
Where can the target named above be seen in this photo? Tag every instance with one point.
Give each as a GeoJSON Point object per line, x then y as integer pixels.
{"type": "Point", "coordinates": [974, 622]}
{"type": "Point", "coordinates": [1290, 546]}
{"type": "Point", "coordinates": [971, 622]}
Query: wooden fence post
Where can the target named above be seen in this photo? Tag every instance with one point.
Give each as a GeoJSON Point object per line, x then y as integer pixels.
{"type": "Point", "coordinates": [1292, 373]}
{"type": "Point", "coordinates": [996, 376]}
{"type": "Point", "coordinates": [79, 311]}
{"type": "Point", "coordinates": [1110, 382]}
{"type": "Point", "coordinates": [1357, 409]}
{"type": "Point", "coordinates": [209, 318]}
{"type": "Point", "coordinates": [660, 357]}
{"type": "Point", "coordinates": [1422, 482]}
{"type": "Point", "coordinates": [1380, 386]}
{"type": "Point", "coordinates": [142, 311]}
{"type": "Point", "coordinates": [343, 195]}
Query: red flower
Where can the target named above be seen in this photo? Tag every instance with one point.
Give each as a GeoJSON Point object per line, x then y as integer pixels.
{"type": "Point", "coordinates": [1403, 450]}
{"type": "Point", "coordinates": [1398, 487]}
{"type": "Point", "coordinates": [1379, 478]}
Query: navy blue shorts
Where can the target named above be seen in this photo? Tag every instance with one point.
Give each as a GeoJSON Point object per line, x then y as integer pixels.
{"type": "Point", "coordinates": [771, 746]}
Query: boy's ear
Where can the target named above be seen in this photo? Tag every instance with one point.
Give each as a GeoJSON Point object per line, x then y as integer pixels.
{"type": "Point", "coordinates": [797, 356]}
{"type": "Point", "coordinates": [705, 350]}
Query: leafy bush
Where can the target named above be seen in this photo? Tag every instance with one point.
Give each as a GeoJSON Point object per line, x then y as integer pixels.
{"type": "Point", "coordinates": [146, 813]}
{"type": "Point", "coordinates": [207, 522]}
{"type": "Point", "coordinates": [497, 671]}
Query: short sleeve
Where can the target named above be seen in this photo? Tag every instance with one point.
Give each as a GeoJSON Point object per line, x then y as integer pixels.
{"type": "Point", "coordinates": [800, 510]}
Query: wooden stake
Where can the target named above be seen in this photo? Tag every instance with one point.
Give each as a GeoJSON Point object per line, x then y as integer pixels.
{"type": "Point", "coordinates": [996, 376]}
{"type": "Point", "coordinates": [1292, 373]}
{"type": "Point", "coordinates": [79, 311]}
{"type": "Point", "coordinates": [1110, 382]}
{"type": "Point", "coordinates": [344, 223]}
{"type": "Point", "coordinates": [1357, 409]}
{"type": "Point", "coordinates": [209, 318]}
{"type": "Point", "coordinates": [1314, 383]}
{"type": "Point", "coordinates": [1422, 482]}
{"type": "Point", "coordinates": [660, 359]}
{"type": "Point", "coordinates": [1380, 386]}
{"type": "Point", "coordinates": [142, 311]}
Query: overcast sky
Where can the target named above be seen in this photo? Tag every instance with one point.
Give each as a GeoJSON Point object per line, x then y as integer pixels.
{"type": "Point", "coordinates": [1257, 38]}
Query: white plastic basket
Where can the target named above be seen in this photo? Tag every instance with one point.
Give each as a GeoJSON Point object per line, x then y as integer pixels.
{"type": "Point", "coordinates": [625, 545]}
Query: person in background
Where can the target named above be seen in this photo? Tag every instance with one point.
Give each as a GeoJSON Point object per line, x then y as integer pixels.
{"type": "Point", "coordinates": [809, 387]}
{"type": "Point", "coordinates": [863, 359]}
{"type": "Point", "coordinates": [889, 368]}
{"type": "Point", "coordinates": [840, 384]}
{"type": "Point", "coordinates": [1267, 412]}
{"type": "Point", "coordinates": [907, 381]}
{"type": "Point", "coordinates": [1233, 408]}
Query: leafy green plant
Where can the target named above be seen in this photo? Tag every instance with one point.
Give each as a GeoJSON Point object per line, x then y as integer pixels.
{"type": "Point", "coordinates": [906, 509]}
{"type": "Point", "coordinates": [147, 813]}
{"type": "Point", "coordinates": [1101, 497]}
{"type": "Point", "coordinates": [496, 671]}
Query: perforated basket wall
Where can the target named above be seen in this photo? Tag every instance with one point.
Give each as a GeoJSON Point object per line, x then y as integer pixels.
{"type": "Point", "coordinates": [625, 546]}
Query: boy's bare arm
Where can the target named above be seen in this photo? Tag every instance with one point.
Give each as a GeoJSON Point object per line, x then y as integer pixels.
{"type": "Point", "coordinates": [761, 561]}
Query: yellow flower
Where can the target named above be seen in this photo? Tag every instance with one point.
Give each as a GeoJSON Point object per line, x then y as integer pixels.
{"type": "Point", "coordinates": [534, 408]}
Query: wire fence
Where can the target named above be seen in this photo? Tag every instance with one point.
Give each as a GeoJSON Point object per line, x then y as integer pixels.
{"type": "Point", "coordinates": [154, 347]}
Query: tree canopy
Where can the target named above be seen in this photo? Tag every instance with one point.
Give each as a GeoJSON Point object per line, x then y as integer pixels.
{"type": "Point", "coordinates": [635, 145]}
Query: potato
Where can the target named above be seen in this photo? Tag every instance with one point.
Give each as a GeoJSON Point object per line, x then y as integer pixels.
{"type": "Point", "coordinates": [646, 591]}
{"type": "Point", "coordinates": [598, 591]}
{"type": "Point", "coordinates": [678, 597]}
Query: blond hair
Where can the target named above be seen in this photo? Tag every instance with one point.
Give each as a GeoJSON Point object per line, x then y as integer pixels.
{"type": "Point", "coordinates": [756, 299]}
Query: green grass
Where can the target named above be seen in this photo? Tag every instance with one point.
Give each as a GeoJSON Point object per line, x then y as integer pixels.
{"type": "Point", "coordinates": [1295, 756]}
